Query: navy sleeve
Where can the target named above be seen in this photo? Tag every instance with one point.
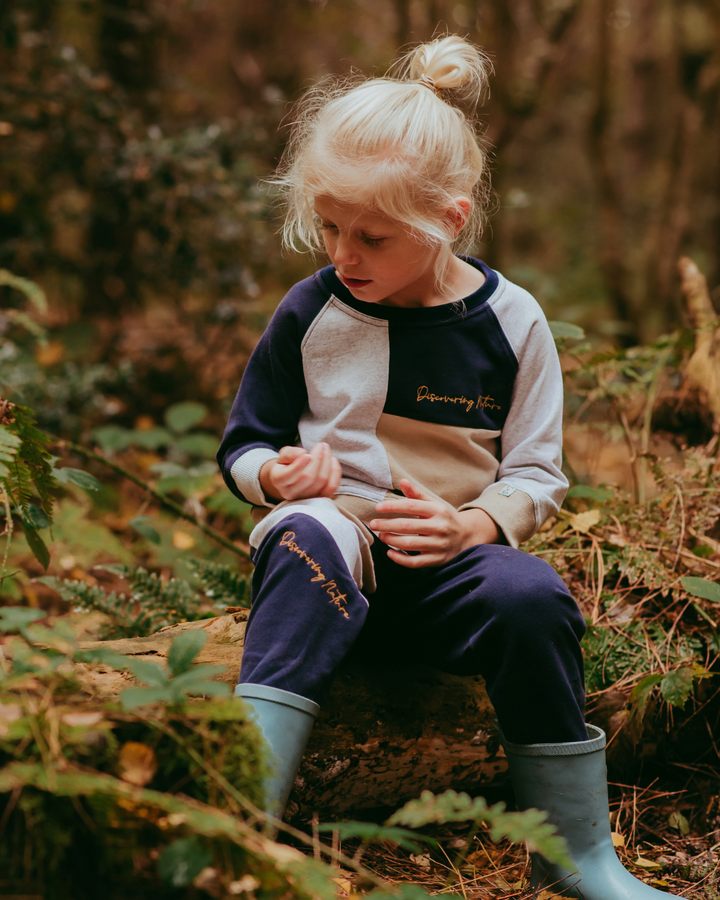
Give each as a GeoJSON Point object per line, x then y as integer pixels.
{"type": "Point", "coordinates": [272, 394]}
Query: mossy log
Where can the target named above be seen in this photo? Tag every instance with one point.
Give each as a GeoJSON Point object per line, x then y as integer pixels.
{"type": "Point", "coordinates": [384, 734]}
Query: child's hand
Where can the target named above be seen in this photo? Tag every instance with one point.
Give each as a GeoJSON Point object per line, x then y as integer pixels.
{"type": "Point", "coordinates": [299, 475]}
{"type": "Point", "coordinates": [439, 532]}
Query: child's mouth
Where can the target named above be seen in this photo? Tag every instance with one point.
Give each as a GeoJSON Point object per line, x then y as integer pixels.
{"type": "Point", "coordinates": [353, 282]}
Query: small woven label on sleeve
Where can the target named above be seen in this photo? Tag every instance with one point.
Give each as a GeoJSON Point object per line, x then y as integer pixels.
{"type": "Point", "coordinates": [507, 491]}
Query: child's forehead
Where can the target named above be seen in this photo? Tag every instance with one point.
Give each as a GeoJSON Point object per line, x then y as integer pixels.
{"type": "Point", "coordinates": [359, 215]}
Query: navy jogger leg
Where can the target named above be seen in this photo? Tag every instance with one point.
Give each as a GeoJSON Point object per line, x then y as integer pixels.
{"type": "Point", "coordinates": [306, 612]}
{"type": "Point", "coordinates": [496, 612]}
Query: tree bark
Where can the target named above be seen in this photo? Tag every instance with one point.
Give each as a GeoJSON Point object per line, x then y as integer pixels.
{"type": "Point", "coordinates": [384, 734]}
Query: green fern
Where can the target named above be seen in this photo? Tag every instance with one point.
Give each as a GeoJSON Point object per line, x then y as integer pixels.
{"type": "Point", "coordinates": [223, 584]}
{"type": "Point", "coordinates": [25, 461]}
{"type": "Point", "coordinates": [150, 605]}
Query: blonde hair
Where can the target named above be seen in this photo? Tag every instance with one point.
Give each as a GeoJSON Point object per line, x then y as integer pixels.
{"type": "Point", "coordinates": [403, 145]}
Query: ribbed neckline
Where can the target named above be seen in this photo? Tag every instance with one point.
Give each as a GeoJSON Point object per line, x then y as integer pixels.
{"type": "Point", "coordinates": [416, 314]}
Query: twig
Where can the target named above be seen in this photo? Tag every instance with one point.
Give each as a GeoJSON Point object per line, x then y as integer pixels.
{"type": "Point", "coordinates": [682, 526]}
{"type": "Point", "coordinates": [647, 419]}
{"type": "Point", "coordinates": [163, 500]}
{"type": "Point", "coordinates": [9, 530]}
{"type": "Point", "coordinates": [627, 434]}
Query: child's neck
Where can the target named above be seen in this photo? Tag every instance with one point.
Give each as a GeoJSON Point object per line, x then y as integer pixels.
{"type": "Point", "coordinates": [461, 281]}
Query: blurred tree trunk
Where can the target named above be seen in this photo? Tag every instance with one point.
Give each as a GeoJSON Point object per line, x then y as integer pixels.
{"type": "Point", "coordinates": [129, 42]}
{"type": "Point", "coordinates": [527, 40]}
{"type": "Point", "coordinates": [696, 83]}
{"type": "Point", "coordinates": [402, 14]}
{"type": "Point", "coordinates": [605, 164]}
{"type": "Point", "coordinates": [643, 147]}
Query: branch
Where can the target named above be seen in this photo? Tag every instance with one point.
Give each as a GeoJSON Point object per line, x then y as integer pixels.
{"type": "Point", "coordinates": [156, 495]}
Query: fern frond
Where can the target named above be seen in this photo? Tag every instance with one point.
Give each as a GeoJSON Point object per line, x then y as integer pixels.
{"type": "Point", "coordinates": [223, 584]}
{"type": "Point", "coordinates": [25, 461]}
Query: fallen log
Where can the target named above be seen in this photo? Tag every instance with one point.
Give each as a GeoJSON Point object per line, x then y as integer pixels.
{"type": "Point", "coordinates": [384, 734]}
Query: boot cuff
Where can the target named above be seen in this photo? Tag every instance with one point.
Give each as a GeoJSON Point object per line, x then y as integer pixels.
{"type": "Point", "coordinates": [276, 695]}
{"type": "Point", "coordinates": [596, 742]}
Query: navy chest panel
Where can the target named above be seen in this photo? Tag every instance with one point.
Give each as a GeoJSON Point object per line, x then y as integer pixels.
{"type": "Point", "coordinates": [461, 373]}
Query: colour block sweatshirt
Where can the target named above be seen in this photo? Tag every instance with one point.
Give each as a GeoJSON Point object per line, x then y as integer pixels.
{"type": "Point", "coordinates": [465, 402]}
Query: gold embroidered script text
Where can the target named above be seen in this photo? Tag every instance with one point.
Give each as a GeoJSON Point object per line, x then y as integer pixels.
{"type": "Point", "coordinates": [481, 403]}
{"type": "Point", "coordinates": [337, 598]}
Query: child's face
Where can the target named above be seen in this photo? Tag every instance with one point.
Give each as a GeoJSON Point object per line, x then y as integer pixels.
{"type": "Point", "coordinates": [375, 257]}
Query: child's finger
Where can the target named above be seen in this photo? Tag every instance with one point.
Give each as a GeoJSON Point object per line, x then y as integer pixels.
{"type": "Point", "coordinates": [413, 491]}
{"type": "Point", "coordinates": [288, 475]}
{"type": "Point", "coordinates": [422, 508]}
{"type": "Point", "coordinates": [402, 526]}
{"type": "Point", "coordinates": [419, 561]}
{"type": "Point", "coordinates": [325, 459]}
{"type": "Point", "coordinates": [333, 480]}
{"type": "Point", "coordinates": [289, 454]}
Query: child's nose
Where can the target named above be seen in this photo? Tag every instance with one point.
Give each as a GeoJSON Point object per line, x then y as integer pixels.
{"type": "Point", "coordinates": [345, 253]}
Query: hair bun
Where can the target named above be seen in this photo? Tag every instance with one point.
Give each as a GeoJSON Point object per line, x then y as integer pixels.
{"type": "Point", "coordinates": [457, 68]}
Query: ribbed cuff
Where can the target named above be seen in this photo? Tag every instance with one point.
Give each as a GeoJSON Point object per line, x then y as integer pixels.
{"type": "Point", "coordinates": [277, 695]}
{"type": "Point", "coordinates": [512, 510]}
{"type": "Point", "coordinates": [573, 748]}
{"type": "Point", "coordinates": [246, 474]}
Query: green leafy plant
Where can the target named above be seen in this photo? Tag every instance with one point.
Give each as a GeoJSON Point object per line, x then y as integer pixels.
{"type": "Point", "coordinates": [529, 826]}
{"type": "Point", "coordinates": [149, 605]}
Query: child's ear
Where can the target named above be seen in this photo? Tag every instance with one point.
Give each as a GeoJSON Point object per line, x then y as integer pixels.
{"type": "Point", "coordinates": [457, 214]}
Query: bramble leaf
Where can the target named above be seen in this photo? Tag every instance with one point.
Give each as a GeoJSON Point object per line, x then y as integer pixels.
{"type": "Point", "coordinates": [82, 479]}
{"type": "Point", "coordinates": [142, 525]}
{"type": "Point", "coordinates": [676, 686]}
{"type": "Point", "coordinates": [184, 649]}
{"type": "Point", "coordinates": [131, 698]}
{"type": "Point", "coordinates": [15, 618]}
{"type": "Point", "coordinates": [36, 544]}
{"type": "Point", "coordinates": [181, 417]}
{"type": "Point", "coordinates": [701, 587]}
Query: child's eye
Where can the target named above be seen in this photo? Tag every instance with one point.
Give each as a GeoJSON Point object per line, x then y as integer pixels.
{"type": "Point", "coordinates": [372, 241]}
{"type": "Point", "coordinates": [328, 226]}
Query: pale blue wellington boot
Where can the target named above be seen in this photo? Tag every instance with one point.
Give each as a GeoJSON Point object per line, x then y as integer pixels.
{"type": "Point", "coordinates": [569, 781]}
{"type": "Point", "coordinates": [285, 720]}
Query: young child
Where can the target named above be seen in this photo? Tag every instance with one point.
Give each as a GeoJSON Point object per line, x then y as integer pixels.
{"type": "Point", "coordinates": [398, 431]}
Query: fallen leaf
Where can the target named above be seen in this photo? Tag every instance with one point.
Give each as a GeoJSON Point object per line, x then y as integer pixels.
{"type": "Point", "coordinates": [182, 540]}
{"type": "Point", "coordinates": [584, 521]}
{"type": "Point", "coordinates": [422, 861]}
{"type": "Point", "coordinates": [81, 719]}
{"type": "Point", "coordinates": [648, 864]}
{"type": "Point", "coordinates": [678, 821]}
{"type": "Point", "coordinates": [617, 839]}
{"type": "Point", "coordinates": [138, 763]}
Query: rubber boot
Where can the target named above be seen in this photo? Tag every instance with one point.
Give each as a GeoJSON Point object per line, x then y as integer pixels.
{"type": "Point", "coordinates": [285, 720]}
{"type": "Point", "coordinates": [569, 782]}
